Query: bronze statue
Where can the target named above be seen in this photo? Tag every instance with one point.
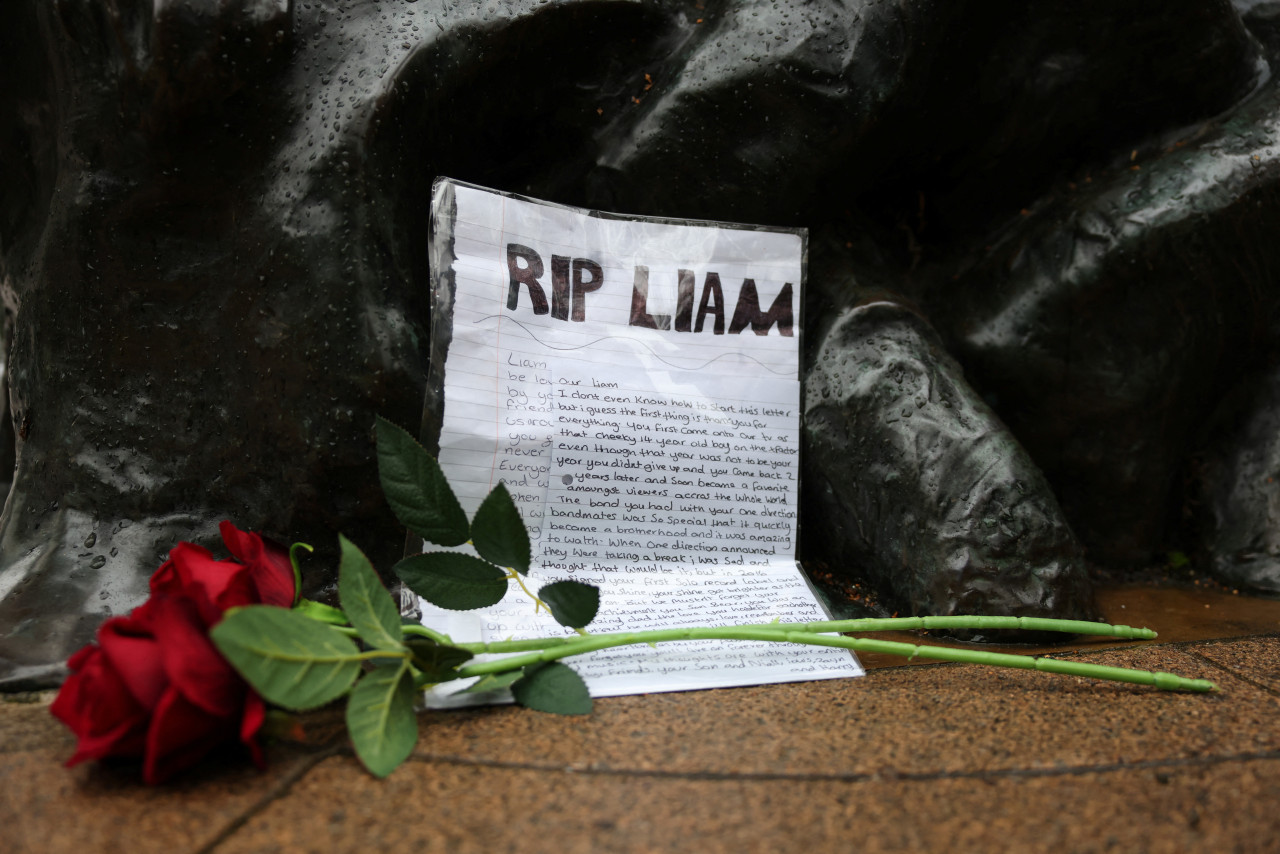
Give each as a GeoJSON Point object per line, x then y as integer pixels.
{"type": "Point", "coordinates": [1041, 315]}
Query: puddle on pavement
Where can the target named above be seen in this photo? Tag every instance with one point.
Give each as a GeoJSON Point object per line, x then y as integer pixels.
{"type": "Point", "coordinates": [1178, 613]}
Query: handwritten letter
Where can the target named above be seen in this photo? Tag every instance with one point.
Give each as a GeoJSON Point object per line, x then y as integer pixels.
{"type": "Point", "coordinates": [635, 385]}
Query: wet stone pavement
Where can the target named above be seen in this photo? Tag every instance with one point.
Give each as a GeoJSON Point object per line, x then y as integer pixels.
{"type": "Point", "coordinates": [906, 759]}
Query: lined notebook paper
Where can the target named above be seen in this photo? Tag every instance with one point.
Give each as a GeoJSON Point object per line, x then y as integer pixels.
{"type": "Point", "coordinates": [635, 384]}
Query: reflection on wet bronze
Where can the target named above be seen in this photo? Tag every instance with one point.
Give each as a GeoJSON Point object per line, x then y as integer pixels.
{"type": "Point", "coordinates": [1041, 322]}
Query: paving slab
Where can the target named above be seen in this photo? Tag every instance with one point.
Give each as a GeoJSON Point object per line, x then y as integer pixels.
{"type": "Point", "coordinates": [1257, 659]}
{"type": "Point", "coordinates": [906, 759]}
{"type": "Point", "coordinates": [942, 718]}
{"type": "Point", "coordinates": [447, 807]}
{"type": "Point", "coordinates": [102, 807]}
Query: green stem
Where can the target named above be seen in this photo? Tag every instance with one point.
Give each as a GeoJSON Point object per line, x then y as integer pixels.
{"type": "Point", "coordinates": [552, 649]}
{"type": "Point", "coordinates": [297, 569]}
{"type": "Point", "coordinates": [1079, 627]}
{"type": "Point", "coordinates": [1030, 624]}
{"type": "Point", "coordinates": [423, 631]}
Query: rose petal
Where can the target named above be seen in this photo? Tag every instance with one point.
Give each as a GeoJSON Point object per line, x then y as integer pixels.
{"type": "Point", "coordinates": [268, 564]}
{"type": "Point", "coordinates": [129, 644]}
{"type": "Point", "coordinates": [180, 735]}
{"type": "Point", "coordinates": [214, 585]}
{"type": "Point", "coordinates": [81, 657]}
{"type": "Point", "coordinates": [191, 662]}
{"type": "Point", "coordinates": [255, 715]}
{"type": "Point", "coordinates": [98, 707]}
{"type": "Point", "coordinates": [167, 578]}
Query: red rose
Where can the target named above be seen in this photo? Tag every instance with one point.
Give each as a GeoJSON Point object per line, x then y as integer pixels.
{"type": "Point", "coordinates": [154, 685]}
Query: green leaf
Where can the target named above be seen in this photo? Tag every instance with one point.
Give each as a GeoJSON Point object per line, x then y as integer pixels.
{"type": "Point", "coordinates": [455, 581]}
{"type": "Point", "coordinates": [438, 662]}
{"type": "Point", "coordinates": [288, 658]}
{"type": "Point", "coordinates": [572, 603]}
{"type": "Point", "coordinates": [366, 602]}
{"type": "Point", "coordinates": [493, 682]}
{"type": "Point", "coordinates": [553, 687]}
{"type": "Point", "coordinates": [498, 532]}
{"type": "Point", "coordinates": [416, 488]}
{"type": "Point", "coordinates": [321, 612]}
{"type": "Point", "coordinates": [380, 718]}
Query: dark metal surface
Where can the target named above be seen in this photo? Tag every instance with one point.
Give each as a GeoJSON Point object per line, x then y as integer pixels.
{"type": "Point", "coordinates": [213, 262]}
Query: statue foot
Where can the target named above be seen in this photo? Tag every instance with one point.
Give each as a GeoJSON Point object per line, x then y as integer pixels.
{"type": "Point", "coordinates": [65, 571]}
{"type": "Point", "coordinates": [920, 489]}
{"type": "Point", "coordinates": [1240, 491]}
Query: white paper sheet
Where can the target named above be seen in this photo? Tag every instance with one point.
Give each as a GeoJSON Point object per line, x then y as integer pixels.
{"type": "Point", "coordinates": [643, 411]}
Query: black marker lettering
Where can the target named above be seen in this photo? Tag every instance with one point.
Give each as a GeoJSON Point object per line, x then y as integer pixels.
{"type": "Point", "coordinates": [526, 275]}
{"type": "Point", "coordinates": [748, 311]}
